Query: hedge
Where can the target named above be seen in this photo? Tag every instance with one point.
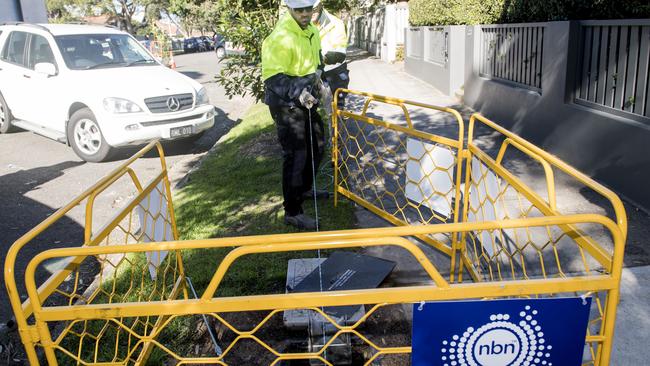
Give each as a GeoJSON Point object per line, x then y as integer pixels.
{"type": "Point", "coordinates": [448, 12]}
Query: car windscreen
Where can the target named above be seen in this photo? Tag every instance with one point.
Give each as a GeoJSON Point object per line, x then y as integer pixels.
{"type": "Point", "coordinates": [92, 51]}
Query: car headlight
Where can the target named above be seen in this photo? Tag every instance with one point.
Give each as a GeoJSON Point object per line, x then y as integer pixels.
{"type": "Point", "coordinates": [202, 97]}
{"type": "Point", "coordinates": [119, 105]}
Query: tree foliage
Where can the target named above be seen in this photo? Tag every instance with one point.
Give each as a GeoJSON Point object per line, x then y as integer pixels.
{"type": "Point", "coordinates": [197, 14]}
{"type": "Point", "coordinates": [121, 12]}
{"type": "Point", "coordinates": [246, 25]}
{"type": "Point", "coordinates": [449, 12]}
{"type": "Point", "coordinates": [124, 11]}
{"type": "Point", "coordinates": [64, 11]}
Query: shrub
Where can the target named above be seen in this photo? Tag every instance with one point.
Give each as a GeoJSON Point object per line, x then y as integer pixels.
{"type": "Point", "coordinates": [540, 11]}
{"type": "Point", "coordinates": [399, 52]}
{"type": "Point", "coordinates": [448, 12]}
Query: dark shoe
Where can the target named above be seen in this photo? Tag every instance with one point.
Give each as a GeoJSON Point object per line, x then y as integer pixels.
{"type": "Point", "coordinates": [320, 195]}
{"type": "Point", "coordinates": [301, 221]}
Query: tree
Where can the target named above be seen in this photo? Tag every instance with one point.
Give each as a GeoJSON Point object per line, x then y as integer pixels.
{"type": "Point", "coordinates": [121, 12]}
{"type": "Point", "coordinates": [64, 11]}
{"type": "Point", "coordinates": [246, 24]}
{"type": "Point", "coordinates": [198, 14]}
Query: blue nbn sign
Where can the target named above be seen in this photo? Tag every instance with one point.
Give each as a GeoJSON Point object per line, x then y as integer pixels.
{"type": "Point", "coordinates": [510, 332]}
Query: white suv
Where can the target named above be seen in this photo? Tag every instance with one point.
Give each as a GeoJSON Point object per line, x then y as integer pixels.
{"type": "Point", "coordinates": [94, 88]}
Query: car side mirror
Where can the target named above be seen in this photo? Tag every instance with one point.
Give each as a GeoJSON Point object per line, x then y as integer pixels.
{"type": "Point", "coordinates": [45, 68]}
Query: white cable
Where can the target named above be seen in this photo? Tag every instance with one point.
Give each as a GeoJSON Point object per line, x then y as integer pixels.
{"type": "Point", "coordinates": [313, 172]}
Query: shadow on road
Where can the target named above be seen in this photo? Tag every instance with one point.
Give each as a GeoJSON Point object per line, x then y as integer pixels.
{"type": "Point", "coordinates": [18, 215]}
{"type": "Point", "coordinates": [357, 54]}
{"type": "Point", "coordinates": [192, 74]}
{"type": "Point", "coordinates": [21, 213]}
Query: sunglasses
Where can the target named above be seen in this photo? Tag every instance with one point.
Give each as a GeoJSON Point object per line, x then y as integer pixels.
{"type": "Point", "coordinates": [306, 9]}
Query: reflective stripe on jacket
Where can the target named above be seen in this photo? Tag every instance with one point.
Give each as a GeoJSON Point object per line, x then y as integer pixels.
{"type": "Point", "coordinates": [290, 49]}
{"type": "Point", "coordinates": [333, 36]}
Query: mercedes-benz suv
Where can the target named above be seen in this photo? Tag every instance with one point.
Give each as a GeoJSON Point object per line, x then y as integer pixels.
{"type": "Point", "coordinates": [95, 88]}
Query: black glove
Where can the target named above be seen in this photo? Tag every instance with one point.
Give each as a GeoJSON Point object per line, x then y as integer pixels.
{"type": "Point", "coordinates": [332, 58]}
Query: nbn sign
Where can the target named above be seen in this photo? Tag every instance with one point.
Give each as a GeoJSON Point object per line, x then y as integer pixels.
{"type": "Point", "coordinates": [510, 332]}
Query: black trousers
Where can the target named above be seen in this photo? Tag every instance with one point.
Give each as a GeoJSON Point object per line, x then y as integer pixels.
{"type": "Point", "coordinates": [339, 77]}
{"type": "Point", "coordinates": [292, 124]}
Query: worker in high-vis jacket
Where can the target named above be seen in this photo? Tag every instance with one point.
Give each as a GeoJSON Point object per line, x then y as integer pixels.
{"type": "Point", "coordinates": [291, 70]}
{"type": "Point", "coordinates": [334, 44]}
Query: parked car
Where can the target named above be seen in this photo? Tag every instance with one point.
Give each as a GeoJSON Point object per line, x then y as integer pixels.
{"type": "Point", "coordinates": [190, 45]}
{"type": "Point", "coordinates": [223, 48]}
{"type": "Point", "coordinates": [219, 46]}
{"type": "Point", "coordinates": [208, 44]}
{"type": "Point", "coordinates": [94, 88]}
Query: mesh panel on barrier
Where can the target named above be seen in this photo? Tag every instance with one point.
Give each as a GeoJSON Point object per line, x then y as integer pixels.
{"type": "Point", "coordinates": [409, 178]}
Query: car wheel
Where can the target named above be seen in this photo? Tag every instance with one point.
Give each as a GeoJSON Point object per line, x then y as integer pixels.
{"type": "Point", "coordinates": [86, 137]}
{"type": "Point", "coordinates": [5, 117]}
{"type": "Point", "coordinates": [221, 53]}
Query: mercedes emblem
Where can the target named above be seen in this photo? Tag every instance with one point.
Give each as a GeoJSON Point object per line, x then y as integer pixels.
{"type": "Point", "coordinates": [173, 104]}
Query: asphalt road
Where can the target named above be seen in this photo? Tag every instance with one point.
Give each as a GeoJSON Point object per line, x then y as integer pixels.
{"type": "Point", "coordinates": [39, 176]}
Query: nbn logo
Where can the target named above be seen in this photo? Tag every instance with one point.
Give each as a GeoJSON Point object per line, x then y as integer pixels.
{"type": "Point", "coordinates": [504, 340]}
{"type": "Point", "coordinates": [497, 343]}
{"type": "Point", "coordinates": [497, 348]}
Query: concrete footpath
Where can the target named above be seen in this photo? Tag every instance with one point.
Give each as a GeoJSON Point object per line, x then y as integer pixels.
{"type": "Point", "coordinates": [633, 320]}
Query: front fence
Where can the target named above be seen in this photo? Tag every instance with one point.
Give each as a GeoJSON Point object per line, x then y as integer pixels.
{"type": "Point", "coordinates": [131, 311]}
{"type": "Point", "coordinates": [614, 66]}
{"type": "Point", "coordinates": [512, 53]}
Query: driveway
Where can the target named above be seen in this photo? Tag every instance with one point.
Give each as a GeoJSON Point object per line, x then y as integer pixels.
{"type": "Point", "coordinates": [38, 175]}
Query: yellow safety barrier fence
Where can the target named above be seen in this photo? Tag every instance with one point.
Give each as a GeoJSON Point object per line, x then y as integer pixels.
{"type": "Point", "coordinates": [410, 176]}
{"type": "Point", "coordinates": [451, 193]}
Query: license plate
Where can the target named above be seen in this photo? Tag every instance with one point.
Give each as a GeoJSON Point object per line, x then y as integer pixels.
{"type": "Point", "coordinates": [180, 131]}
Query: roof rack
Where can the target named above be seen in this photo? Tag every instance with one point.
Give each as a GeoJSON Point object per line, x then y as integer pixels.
{"type": "Point", "coordinates": [33, 25]}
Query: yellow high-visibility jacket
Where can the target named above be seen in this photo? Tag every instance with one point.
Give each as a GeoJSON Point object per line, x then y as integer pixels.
{"type": "Point", "coordinates": [290, 50]}
{"type": "Point", "coordinates": [290, 57]}
{"type": "Point", "coordinates": [334, 37]}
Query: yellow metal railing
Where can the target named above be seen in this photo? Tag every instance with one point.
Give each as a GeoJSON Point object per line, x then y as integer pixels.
{"type": "Point", "coordinates": [119, 320]}
{"type": "Point", "coordinates": [487, 222]}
